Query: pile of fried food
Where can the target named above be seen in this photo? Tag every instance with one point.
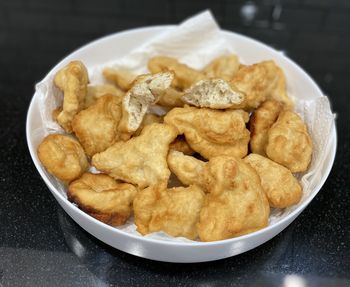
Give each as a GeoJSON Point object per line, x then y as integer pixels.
{"type": "Point", "coordinates": [231, 175]}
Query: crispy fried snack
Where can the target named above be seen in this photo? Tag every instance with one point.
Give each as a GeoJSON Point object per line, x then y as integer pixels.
{"type": "Point", "coordinates": [171, 98]}
{"type": "Point", "coordinates": [236, 204]}
{"type": "Point", "coordinates": [147, 120]}
{"type": "Point", "coordinates": [260, 122]}
{"type": "Point", "coordinates": [184, 75]}
{"type": "Point", "coordinates": [145, 91]}
{"type": "Point", "coordinates": [103, 198]}
{"type": "Point", "coordinates": [140, 160]}
{"type": "Point", "coordinates": [289, 142]}
{"type": "Point", "coordinates": [96, 91]}
{"type": "Point", "coordinates": [259, 82]}
{"type": "Point", "coordinates": [224, 67]}
{"type": "Point", "coordinates": [174, 211]}
{"type": "Point", "coordinates": [212, 132]}
{"type": "Point", "coordinates": [180, 144]}
{"type": "Point", "coordinates": [281, 187]}
{"type": "Point", "coordinates": [187, 169]}
{"type": "Point", "coordinates": [72, 80]}
{"type": "Point", "coordinates": [214, 94]}
{"type": "Point", "coordinates": [121, 78]}
{"type": "Point", "coordinates": [62, 156]}
{"type": "Point", "coordinates": [97, 126]}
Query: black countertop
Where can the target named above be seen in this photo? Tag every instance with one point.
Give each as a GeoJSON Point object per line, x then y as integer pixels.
{"type": "Point", "coordinates": [41, 246]}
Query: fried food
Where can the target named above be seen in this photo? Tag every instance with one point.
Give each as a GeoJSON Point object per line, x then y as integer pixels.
{"type": "Point", "coordinates": [147, 120]}
{"type": "Point", "coordinates": [96, 91]}
{"type": "Point", "coordinates": [260, 122]}
{"type": "Point", "coordinates": [236, 204]}
{"type": "Point", "coordinates": [224, 67]}
{"type": "Point", "coordinates": [63, 157]}
{"type": "Point", "coordinates": [103, 198]}
{"type": "Point", "coordinates": [212, 132]}
{"type": "Point", "coordinates": [72, 80]}
{"type": "Point", "coordinates": [171, 98]}
{"type": "Point", "coordinates": [213, 93]}
{"type": "Point", "coordinates": [122, 78]}
{"type": "Point", "coordinates": [174, 211]}
{"type": "Point", "coordinates": [260, 82]}
{"type": "Point", "coordinates": [140, 160]}
{"type": "Point", "coordinates": [289, 142]}
{"type": "Point", "coordinates": [180, 144]}
{"type": "Point", "coordinates": [187, 169]}
{"type": "Point", "coordinates": [145, 91]}
{"type": "Point", "coordinates": [97, 126]}
{"type": "Point", "coordinates": [185, 76]}
{"type": "Point", "coordinates": [281, 187]}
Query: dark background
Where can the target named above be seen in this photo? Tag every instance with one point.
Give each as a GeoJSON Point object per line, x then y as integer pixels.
{"type": "Point", "coordinates": [41, 246]}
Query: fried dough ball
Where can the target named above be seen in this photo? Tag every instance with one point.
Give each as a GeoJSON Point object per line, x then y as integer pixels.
{"type": "Point", "coordinates": [180, 144]}
{"type": "Point", "coordinates": [224, 67]}
{"type": "Point", "coordinates": [147, 120]}
{"type": "Point", "coordinates": [289, 142]}
{"type": "Point", "coordinates": [97, 126]}
{"type": "Point", "coordinates": [212, 132]}
{"type": "Point", "coordinates": [185, 76]}
{"type": "Point", "coordinates": [260, 122]}
{"type": "Point", "coordinates": [103, 198]}
{"type": "Point", "coordinates": [281, 187]}
{"type": "Point", "coordinates": [174, 211]}
{"type": "Point", "coordinates": [140, 160]}
{"type": "Point", "coordinates": [96, 91]}
{"type": "Point", "coordinates": [72, 80]}
{"type": "Point", "coordinates": [63, 157]}
{"type": "Point", "coordinates": [236, 203]}
{"type": "Point", "coordinates": [120, 77]}
{"type": "Point", "coordinates": [171, 98]}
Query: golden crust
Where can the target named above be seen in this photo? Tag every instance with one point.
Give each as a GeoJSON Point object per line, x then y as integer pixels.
{"type": "Point", "coordinates": [260, 122]}
{"type": "Point", "coordinates": [180, 144]}
{"type": "Point", "coordinates": [96, 91]}
{"type": "Point", "coordinates": [224, 67]}
{"type": "Point", "coordinates": [289, 142]}
{"type": "Point", "coordinates": [72, 80]}
{"type": "Point", "coordinates": [103, 198]}
{"type": "Point", "coordinates": [97, 126]}
{"type": "Point", "coordinates": [212, 132]}
{"type": "Point", "coordinates": [174, 211]}
{"type": "Point", "coordinates": [62, 156]}
{"type": "Point", "coordinates": [140, 160]}
{"type": "Point", "coordinates": [281, 187]}
{"type": "Point", "coordinates": [260, 82]}
{"type": "Point", "coordinates": [185, 76]}
{"type": "Point", "coordinates": [121, 78]}
{"type": "Point", "coordinates": [147, 120]}
{"type": "Point", "coordinates": [171, 98]}
{"type": "Point", "coordinates": [236, 204]}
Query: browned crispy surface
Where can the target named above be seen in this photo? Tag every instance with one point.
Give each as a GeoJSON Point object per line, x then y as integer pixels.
{"type": "Point", "coordinates": [171, 98]}
{"type": "Point", "coordinates": [180, 144]}
{"type": "Point", "coordinates": [121, 78]}
{"type": "Point", "coordinates": [147, 120]}
{"type": "Point", "coordinates": [96, 91]}
{"type": "Point", "coordinates": [224, 67]}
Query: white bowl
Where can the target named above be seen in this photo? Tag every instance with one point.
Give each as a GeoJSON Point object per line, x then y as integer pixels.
{"type": "Point", "coordinates": [119, 44]}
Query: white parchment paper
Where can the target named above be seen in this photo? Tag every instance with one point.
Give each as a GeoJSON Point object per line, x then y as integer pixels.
{"type": "Point", "coordinates": [196, 42]}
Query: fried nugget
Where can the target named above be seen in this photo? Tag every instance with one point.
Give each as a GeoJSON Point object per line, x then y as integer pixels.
{"type": "Point", "coordinates": [212, 132]}
{"type": "Point", "coordinates": [289, 142]}
{"type": "Point", "coordinates": [97, 126]}
{"type": "Point", "coordinates": [214, 94]}
{"type": "Point", "coordinates": [224, 67]}
{"type": "Point", "coordinates": [145, 91]}
{"type": "Point", "coordinates": [140, 160]}
{"type": "Point", "coordinates": [187, 169]}
{"type": "Point", "coordinates": [147, 120]}
{"type": "Point", "coordinates": [174, 211]}
{"type": "Point", "coordinates": [72, 80]}
{"type": "Point", "coordinates": [63, 157]}
{"type": "Point", "coordinates": [236, 204]}
{"type": "Point", "coordinates": [260, 82]}
{"type": "Point", "coordinates": [171, 98]}
{"type": "Point", "coordinates": [281, 187]}
{"type": "Point", "coordinates": [96, 91]}
{"type": "Point", "coordinates": [103, 198]}
{"type": "Point", "coordinates": [185, 76]}
{"type": "Point", "coordinates": [180, 144]}
{"type": "Point", "coordinates": [260, 122]}
{"type": "Point", "coordinates": [120, 77]}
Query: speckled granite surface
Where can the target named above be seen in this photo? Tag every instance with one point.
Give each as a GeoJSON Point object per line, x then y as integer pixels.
{"type": "Point", "coordinates": [41, 246]}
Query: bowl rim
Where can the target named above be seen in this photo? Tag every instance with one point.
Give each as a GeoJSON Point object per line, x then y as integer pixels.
{"type": "Point", "coordinates": [266, 229]}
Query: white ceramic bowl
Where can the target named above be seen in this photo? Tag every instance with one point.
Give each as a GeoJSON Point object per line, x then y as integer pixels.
{"type": "Point", "coordinates": [119, 44]}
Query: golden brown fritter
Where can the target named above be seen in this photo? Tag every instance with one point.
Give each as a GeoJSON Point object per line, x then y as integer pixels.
{"type": "Point", "coordinates": [281, 187]}
{"type": "Point", "coordinates": [122, 78]}
{"type": "Point", "coordinates": [62, 156]}
{"type": "Point", "coordinates": [147, 120]}
{"type": "Point", "coordinates": [289, 142]}
{"type": "Point", "coordinates": [96, 91]}
{"type": "Point", "coordinates": [224, 67]}
{"type": "Point", "coordinates": [140, 160]}
{"type": "Point", "coordinates": [171, 98]}
{"type": "Point", "coordinates": [180, 144]}
{"type": "Point", "coordinates": [103, 198]}
{"type": "Point", "coordinates": [72, 80]}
